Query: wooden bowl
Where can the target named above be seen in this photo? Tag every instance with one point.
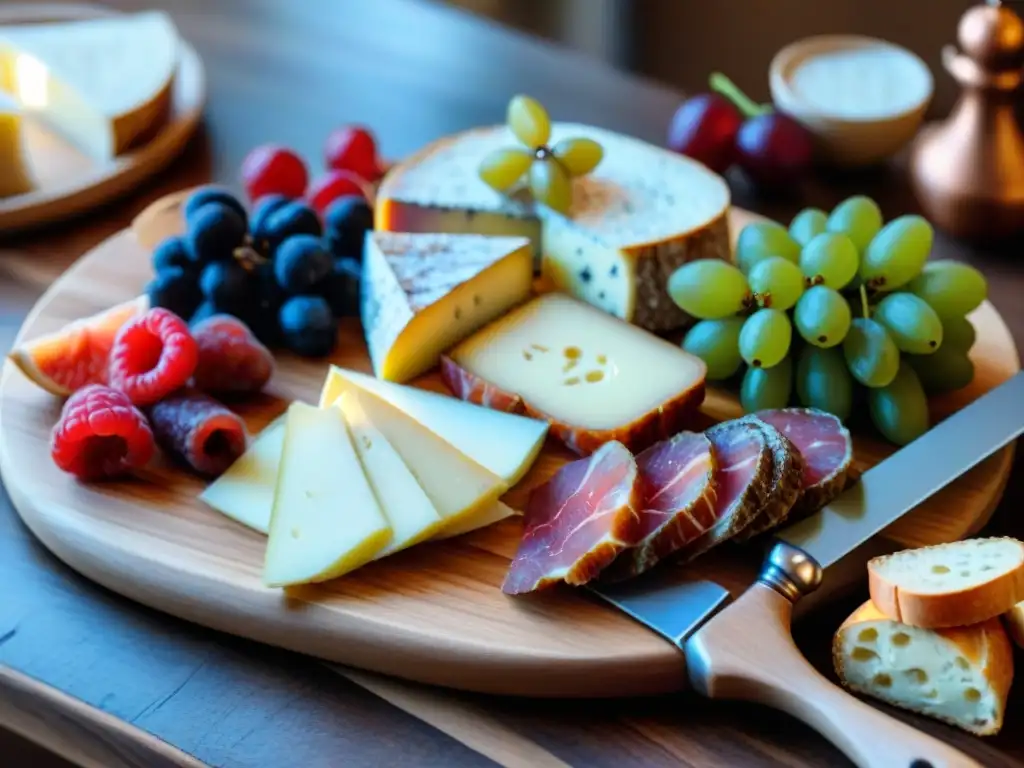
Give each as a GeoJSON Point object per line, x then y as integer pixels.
{"type": "Point", "coordinates": [862, 98]}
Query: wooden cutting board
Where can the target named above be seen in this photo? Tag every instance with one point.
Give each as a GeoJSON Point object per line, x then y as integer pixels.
{"type": "Point", "coordinates": [434, 613]}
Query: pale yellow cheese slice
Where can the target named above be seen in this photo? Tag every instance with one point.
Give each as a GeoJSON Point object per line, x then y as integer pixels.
{"type": "Point", "coordinates": [406, 506]}
{"type": "Point", "coordinates": [326, 520]}
{"type": "Point", "coordinates": [503, 443]}
{"type": "Point", "coordinates": [456, 485]}
{"type": "Point", "coordinates": [15, 178]}
{"type": "Point", "coordinates": [483, 517]}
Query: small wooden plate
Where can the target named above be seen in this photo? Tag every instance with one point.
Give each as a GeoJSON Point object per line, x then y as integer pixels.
{"type": "Point", "coordinates": [70, 182]}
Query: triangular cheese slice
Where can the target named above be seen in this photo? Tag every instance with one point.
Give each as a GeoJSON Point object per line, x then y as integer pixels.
{"type": "Point", "coordinates": [638, 216]}
{"type": "Point", "coordinates": [409, 511]}
{"type": "Point", "coordinates": [14, 176]}
{"type": "Point", "coordinates": [503, 443]}
{"type": "Point", "coordinates": [455, 484]}
{"type": "Point", "coordinates": [483, 517]}
{"type": "Point", "coordinates": [104, 83]}
{"type": "Point", "coordinates": [326, 520]}
{"type": "Point", "coordinates": [245, 491]}
{"type": "Point", "coordinates": [425, 293]}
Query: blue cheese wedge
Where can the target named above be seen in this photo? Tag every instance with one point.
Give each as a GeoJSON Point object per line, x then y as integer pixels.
{"type": "Point", "coordinates": [424, 293]}
{"type": "Point", "coordinates": [638, 216]}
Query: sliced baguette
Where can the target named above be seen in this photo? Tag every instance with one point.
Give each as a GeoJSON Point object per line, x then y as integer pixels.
{"type": "Point", "coordinates": [960, 675]}
{"type": "Point", "coordinates": [949, 585]}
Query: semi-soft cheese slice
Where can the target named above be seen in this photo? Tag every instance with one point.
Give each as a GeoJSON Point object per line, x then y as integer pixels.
{"type": "Point", "coordinates": [638, 216]}
{"type": "Point", "coordinates": [326, 520]}
{"type": "Point", "coordinates": [483, 517]}
{"type": "Point", "coordinates": [502, 443]}
{"type": "Point", "coordinates": [961, 675]}
{"type": "Point", "coordinates": [592, 376]}
{"type": "Point", "coordinates": [456, 485]}
{"type": "Point", "coordinates": [245, 491]}
{"type": "Point", "coordinates": [104, 83]}
{"type": "Point", "coordinates": [409, 511]}
{"type": "Point", "coordinates": [423, 293]}
{"type": "Point", "coordinates": [15, 178]}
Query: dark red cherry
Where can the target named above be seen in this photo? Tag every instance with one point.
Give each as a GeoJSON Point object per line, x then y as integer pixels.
{"type": "Point", "coordinates": [773, 149]}
{"type": "Point", "coordinates": [704, 128]}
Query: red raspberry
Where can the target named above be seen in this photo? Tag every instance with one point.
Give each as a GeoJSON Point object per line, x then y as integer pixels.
{"type": "Point", "coordinates": [153, 355]}
{"type": "Point", "coordinates": [100, 435]}
{"type": "Point", "coordinates": [199, 430]}
{"type": "Point", "coordinates": [331, 186]}
{"type": "Point", "coordinates": [270, 169]}
{"type": "Point", "coordinates": [353, 148]}
{"type": "Point", "coordinates": [231, 359]}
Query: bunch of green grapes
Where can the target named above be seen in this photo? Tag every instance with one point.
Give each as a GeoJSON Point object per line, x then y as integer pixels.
{"type": "Point", "coordinates": [869, 311]}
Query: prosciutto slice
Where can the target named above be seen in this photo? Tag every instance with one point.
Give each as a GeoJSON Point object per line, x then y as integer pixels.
{"type": "Point", "coordinates": [679, 502]}
{"type": "Point", "coordinates": [826, 448]}
{"type": "Point", "coordinates": [578, 522]}
{"type": "Point", "coordinates": [785, 488]}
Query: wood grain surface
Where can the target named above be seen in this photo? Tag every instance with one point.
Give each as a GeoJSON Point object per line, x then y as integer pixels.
{"type": "Point", "coordinates": [69, 183]}
{"type": "Point", "coordinates": [232, 703]}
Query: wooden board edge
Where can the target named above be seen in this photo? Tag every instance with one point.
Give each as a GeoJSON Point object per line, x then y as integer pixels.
{"type": "Point", "coordinates": [80, 733]}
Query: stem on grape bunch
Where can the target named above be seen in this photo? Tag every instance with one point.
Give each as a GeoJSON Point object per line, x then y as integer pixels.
{"type": "Point", "coordinates": [864, 302]}
{"type": "Point", "coordinates": [747, 106]}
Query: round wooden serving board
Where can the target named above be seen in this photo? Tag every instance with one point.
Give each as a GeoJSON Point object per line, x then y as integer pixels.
{"type": "Point", "coordinates": [434, 613]}
{"type": "Point", "coordinates": [68, 181]}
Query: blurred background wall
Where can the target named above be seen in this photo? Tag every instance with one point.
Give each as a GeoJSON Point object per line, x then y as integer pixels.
{"type": "Point", "coordinates": [670, 40]}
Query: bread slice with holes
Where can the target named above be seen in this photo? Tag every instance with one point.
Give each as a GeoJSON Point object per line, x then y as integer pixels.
{"type": "Point", "coordinates": [949, 585]}
{"type": "Point", "coordinates": [960, 675]}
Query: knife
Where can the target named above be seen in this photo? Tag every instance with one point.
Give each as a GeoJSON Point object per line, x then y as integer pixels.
{"type": "Point", "coordinates": [745, 650]}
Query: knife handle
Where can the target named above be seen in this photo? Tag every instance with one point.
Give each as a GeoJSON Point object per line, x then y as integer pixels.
{"type": "Point", "coordinates": [747, 652]}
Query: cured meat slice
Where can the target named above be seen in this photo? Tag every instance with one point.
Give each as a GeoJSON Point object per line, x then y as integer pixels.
{"type": "Point", "coordinates": [743, 480]}
{"type": "Point", "coordinates": [467, 386]}
{"type": "Point", "coordinates": [578, 522]}
{"type": "Point", "coordinates": [826, 447]}
{"type": "Point", "coordinates": [679, 502]}
{"type": "Point", "coordinates": [784, 491]}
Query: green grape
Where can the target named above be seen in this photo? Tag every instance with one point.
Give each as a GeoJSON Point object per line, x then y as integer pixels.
{"type": "Point", "coordinates": [502, 168]}
{"type": "Point", "coordinates": [765, 338]}
{"type": "Point", "coordinates": [708, 289]}
{"type": "Point", "coordinates": [958, 334]}
{"type": "Point", "coordinates": [807, 224]}
{"type": "Point", "coordinates": [830, 259]}
{"type": "Point", "coordinates": [946, 370]}
{"type": "Point", "coordinates": [776, 283]}
{"type": "Point", "coordinates": [913, 325]}
{"type": "Point", "coordinates": [823, 381]}
{"type": "Point", "coordinates": [529, 121]}
{"type": "Point", "coordinates": [550, 185]}
{"type": "Point", "coordinates": [859, 218]}
{"type": "Point", "coordinates": [763, 239]}
{"type": "Point", "coordinates": [717, 343]}
{"type": "Point", "coordinates": [871, 355]}
{"type": "Point", "coordinates": [898, 252]}
{"type": "Point", "coordinates": [822, 316]}
{"type": "Point", "coordinates": [579, 156]}
{"type": "Point", "coordinates": [765, 388]}
{"type": "Point", "coordinates": [900, 410]}
{"type": "Point", "coordinates": [952, 289]}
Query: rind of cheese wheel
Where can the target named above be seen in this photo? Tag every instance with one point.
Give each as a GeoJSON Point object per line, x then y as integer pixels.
{"type": "Point", "coordinates": [594, 378]}
{"type": "Point", "coordinates": [642, 213]}
{"type": "Point", "coordinates": [424, 293]}
{"type": "Point", "coordinates": [14, 176]}
{"type": "Point", "coordinates": [949, 585]}
{"type": "Point", "coordinates": [105, 83]}
{"type": "Point", "coordinates": [960, 675]}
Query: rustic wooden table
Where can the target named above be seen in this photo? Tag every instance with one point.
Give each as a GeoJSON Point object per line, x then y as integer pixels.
{"type": "Point", "coordinates": [104, 682]}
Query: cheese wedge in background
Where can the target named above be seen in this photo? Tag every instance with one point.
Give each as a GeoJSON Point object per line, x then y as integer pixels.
{"type": "Point", "coordinates": [326, 520]}
{"type": "Point", "coordinates": [103, 83]}
{"type": "Point", "coordinates": [456, 485]}
{"type": "Point", "coordinates": [502, 443]}
{"type": "Point", "coordinates": [409, 511]}
{"type": "Point", "coordinates": [14, 175]}
{"type": "Point", "coordinates": [424, 293]}
{"type": "Point", "coordinates": [245, 492]}
{"type": "Point", "coordinates": [960, 675]}
{"type": "Point", "coordinates": [638, 216]}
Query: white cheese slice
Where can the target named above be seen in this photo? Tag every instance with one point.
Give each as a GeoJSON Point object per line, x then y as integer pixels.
{"type": "Point", "coordinates": [245, 491]}
{"type": "Point", "coordinates": [640, 214]}
{"type": "Point", "coordinates": [409, 511]}
{"type": "Point", "coordinates": [104, 83]}
{"type": "Point", "coordinates": [503, 443]}
{"type": "Point", "coordinates": [15, 178]}
{"type": "Point", "coordinates": [456, 485]}
{"type": "Point", "coordinates": [485, 516]}
{"type": "Point", "coordinates": [326, 520]}
{"type": "Point", "coordinates": [423, 293]}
